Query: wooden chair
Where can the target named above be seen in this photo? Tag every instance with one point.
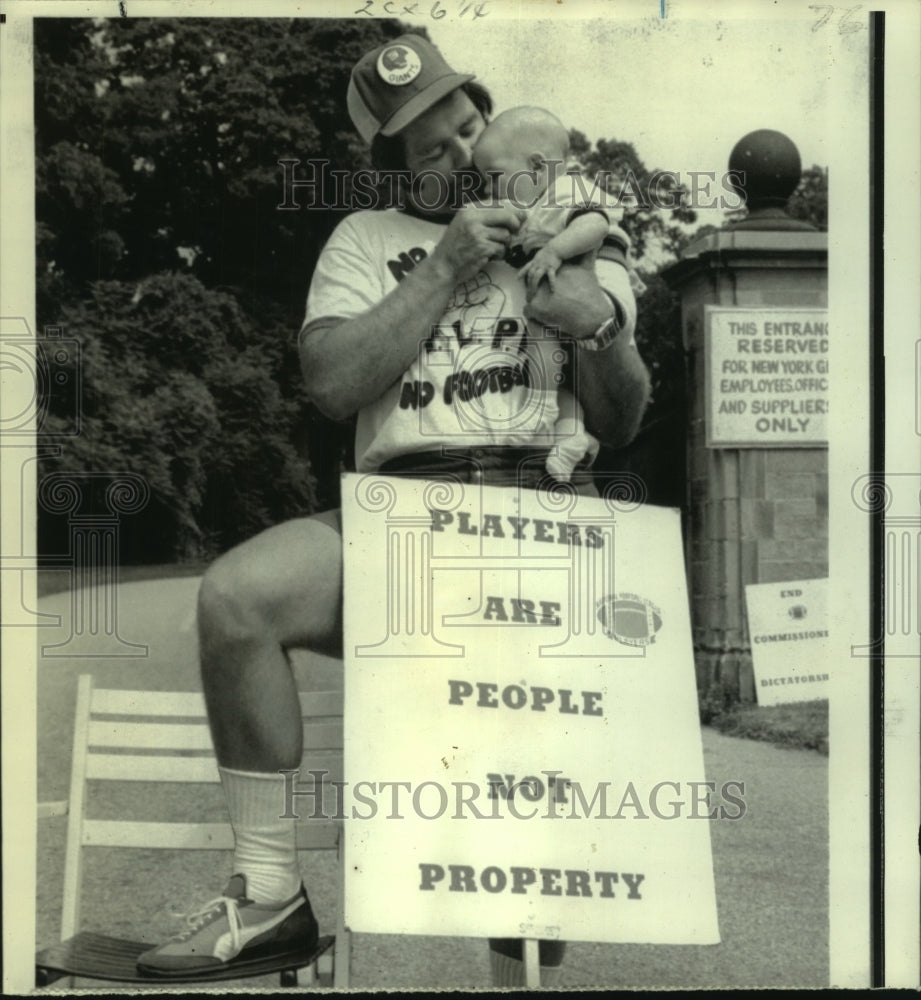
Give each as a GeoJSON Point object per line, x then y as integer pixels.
{"type": "Point", "coordinates": [154, 736]}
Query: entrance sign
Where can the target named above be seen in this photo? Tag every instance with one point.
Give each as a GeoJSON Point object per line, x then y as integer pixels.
{"type": "Point", "coordinates": [788, 627]}
{"type": "Point", "coordinates": [767, 377]}
{"type": "Point", "coordinates": [522, 752]}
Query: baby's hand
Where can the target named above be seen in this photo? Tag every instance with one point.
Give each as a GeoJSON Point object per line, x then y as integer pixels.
{"type": "Point", "coordinates": [544, 264]}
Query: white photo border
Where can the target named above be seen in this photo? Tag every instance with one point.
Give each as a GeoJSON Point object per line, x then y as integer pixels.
{"type": "Point", "coordinates": [851, 762]}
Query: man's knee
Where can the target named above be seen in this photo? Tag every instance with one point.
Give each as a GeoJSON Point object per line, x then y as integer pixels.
{"type": "Point", "coordinates": [284, 584]}
{"type": "Point", "coordinates": [227, 605]}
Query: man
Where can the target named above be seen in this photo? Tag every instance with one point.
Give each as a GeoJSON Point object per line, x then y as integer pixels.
{"type": "Point", "coordinates": [415, 323]}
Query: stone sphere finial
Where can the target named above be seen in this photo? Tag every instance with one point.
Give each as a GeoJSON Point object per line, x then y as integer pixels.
{"type": "Point", "coordinates": [770, 164]}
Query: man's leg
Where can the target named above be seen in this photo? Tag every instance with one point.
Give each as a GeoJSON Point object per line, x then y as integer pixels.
{"type": "Point", "coordinates": [279, 590]}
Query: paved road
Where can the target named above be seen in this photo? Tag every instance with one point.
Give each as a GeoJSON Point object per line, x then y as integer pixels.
{"type": "Point", "coordinates": [771, 866]}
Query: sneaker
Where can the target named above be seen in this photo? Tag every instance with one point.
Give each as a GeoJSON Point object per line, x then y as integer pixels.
{"type": "Point", "coordinates": [232, 927]}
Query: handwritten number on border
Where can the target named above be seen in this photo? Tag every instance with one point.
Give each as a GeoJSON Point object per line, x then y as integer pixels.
{"type": "Point", "coordinates": [846, 24]}
{"type": "Point", "coordinates": [437, 12]}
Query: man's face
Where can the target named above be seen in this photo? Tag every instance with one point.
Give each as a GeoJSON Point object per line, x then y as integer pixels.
{"type": "Point", "coordinates": [441, 142]}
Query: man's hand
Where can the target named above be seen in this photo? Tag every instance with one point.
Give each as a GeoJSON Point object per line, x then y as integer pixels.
{"type": "Point", "coordinates": [476, 235]}
{"type": "Point", "coordinates": [576, 304]}
{"type": "Point", "coordinates": [612, 385]}
{"type": "Point", "coordinates": [544, 264]}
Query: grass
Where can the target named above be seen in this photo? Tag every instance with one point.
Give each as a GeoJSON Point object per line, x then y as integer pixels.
{"type": "Point", "coordinates": [801, 725]}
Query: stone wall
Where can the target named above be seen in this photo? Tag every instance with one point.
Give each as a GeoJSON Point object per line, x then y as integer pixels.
{"type": "Point", "coordinates": [755, 514]}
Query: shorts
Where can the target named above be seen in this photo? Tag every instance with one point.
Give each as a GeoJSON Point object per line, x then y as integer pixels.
{"type": "Point", "coordinates": [494, 466]}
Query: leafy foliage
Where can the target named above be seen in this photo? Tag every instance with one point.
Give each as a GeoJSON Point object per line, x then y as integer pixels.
{"type": "Point", "coordinates": [655, 211]}
{"type": "Point", "coordinates": [178, 392]}
{"type": "Point", "coordinates": [657, 234]}
{"type": "Point", "coordinates": [190, 118]}
{"type": "Point", "coordinates": [796, 726]}
{"type": "Point", "coordinates": [660, 225]}
{"type": "Point", "coordinates": [809, 202]}
{"type": "Point", "coordinates": [161, 249]}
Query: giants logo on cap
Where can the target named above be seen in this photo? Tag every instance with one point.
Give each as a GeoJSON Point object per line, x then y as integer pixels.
{"type": "Point", "coordinates": [398, 65]}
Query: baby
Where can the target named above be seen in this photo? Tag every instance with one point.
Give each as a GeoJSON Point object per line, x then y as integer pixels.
{"type": "Point", "coordinates": [520, 156]}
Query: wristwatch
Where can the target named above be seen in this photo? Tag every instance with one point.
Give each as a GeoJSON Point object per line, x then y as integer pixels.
{"type": "Point", "coordinates": [604, 336]}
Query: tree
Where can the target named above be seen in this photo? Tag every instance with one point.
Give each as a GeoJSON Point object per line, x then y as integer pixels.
{"type": "Point", "coordinates": [655, 214]}
{"type": "Point", "coordinates": [658, 222]}
{"type": "Point", "coordinates": [660, 225]}
{"type": "Point", "coordinates": [161, 248]}
{"type": "Point", "coordinates": [809, 202]}
{"type": "Point", "coordinates": [657, 235]}
{"type": "Point", "coordinates": [191, 117]}
{"type": "Point", "coordinates": [176, 392]}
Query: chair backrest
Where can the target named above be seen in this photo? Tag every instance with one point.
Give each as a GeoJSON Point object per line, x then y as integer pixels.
{"type": "Point", "coordinates": [160, 736]}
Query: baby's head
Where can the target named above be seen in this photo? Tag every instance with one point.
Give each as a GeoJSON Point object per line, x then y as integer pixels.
{"type": "Point", "coordinates": [517, 152]}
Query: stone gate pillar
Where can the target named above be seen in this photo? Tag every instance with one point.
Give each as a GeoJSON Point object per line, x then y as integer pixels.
{"type": "Point", "coordinates": [754, 325]}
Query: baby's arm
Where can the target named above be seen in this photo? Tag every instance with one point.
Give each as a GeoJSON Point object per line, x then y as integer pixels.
{"type": "Point", "coordinates": [586, 232]}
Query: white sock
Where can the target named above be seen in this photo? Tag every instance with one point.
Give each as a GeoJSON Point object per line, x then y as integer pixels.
{"type": "Point", "coordinates": [265, 846]}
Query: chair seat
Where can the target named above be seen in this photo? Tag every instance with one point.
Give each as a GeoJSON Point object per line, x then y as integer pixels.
{"type": "Point", "coordinates": [96, 956]}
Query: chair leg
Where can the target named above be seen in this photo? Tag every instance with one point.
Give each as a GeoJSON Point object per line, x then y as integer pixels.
{"type": "Point", "coordinates": [342, 956]}
{"type": "Point", "coordinates": [306, 976]}
{"type": "Point", "coordinates": [325, 967]}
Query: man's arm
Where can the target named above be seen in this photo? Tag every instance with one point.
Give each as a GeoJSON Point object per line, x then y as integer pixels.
{"type": "Point", "coordinates": [613, 387]}
{"type": "Point", "coordinates": [348, 363]}
{"type": "Point", "coordinates": [612, 384]}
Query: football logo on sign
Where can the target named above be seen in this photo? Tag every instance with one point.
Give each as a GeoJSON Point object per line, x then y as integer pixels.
{"type": "Point", "coordinates": [398, 65]}
{"type": "Point", "coordinates": [629, 619]}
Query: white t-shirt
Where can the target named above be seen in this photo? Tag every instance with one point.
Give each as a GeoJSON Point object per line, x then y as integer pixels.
{"type": "Point", "coordinates": [484, 377]}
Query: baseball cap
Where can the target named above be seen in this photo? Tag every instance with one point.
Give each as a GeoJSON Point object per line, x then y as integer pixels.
{"type": "Point", "coordinates": [395, 83]}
